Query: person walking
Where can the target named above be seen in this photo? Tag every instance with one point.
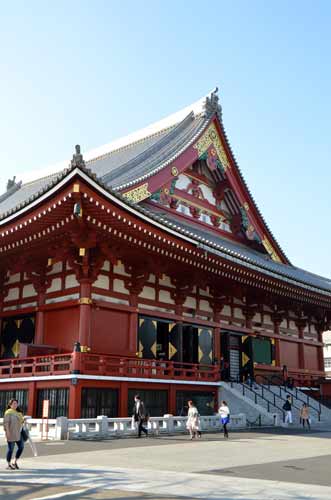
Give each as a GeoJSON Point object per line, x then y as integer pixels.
{"type": "Point", "coordinates": [13, 425]}
{"type": "Point", "coordinates": [140, 415]}
{"type": "Point", "coordinates": [192, 423]}
{"type": "Point", "coordinates": [304, 415]}
{"type": "Point", "coordinates": [287, 407]}
{"type": "Point", "coordinates": [224, 413]}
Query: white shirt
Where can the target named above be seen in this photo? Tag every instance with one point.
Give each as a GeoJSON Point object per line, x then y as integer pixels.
{"type": "Point", "coordinates": [224, 411]}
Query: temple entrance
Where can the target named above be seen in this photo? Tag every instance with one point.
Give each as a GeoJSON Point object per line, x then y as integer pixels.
{"type": "Point", "coordinates": [183, 343]}
{"type": "Point", "coordinates": [15, 331]}
{"type": "Point", "coordinates": [231, 346]}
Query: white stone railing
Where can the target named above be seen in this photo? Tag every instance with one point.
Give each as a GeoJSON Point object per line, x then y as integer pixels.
{"type": "Point", "coordinates": [37, 428]}
{"type": "Point", "coordinates": [104, 427]}
{"type": "Point", "coordinates": [120, 427]}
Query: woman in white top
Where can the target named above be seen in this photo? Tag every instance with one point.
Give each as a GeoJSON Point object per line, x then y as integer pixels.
{"type": "Point", "coordinates": [192, 423]}
{"type": "Point", "coordinates": [224, 413]}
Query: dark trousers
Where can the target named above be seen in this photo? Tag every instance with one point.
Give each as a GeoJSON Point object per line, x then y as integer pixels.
{"type": "Point", "coordinates": [10, 449]}
{"type": "Point", "coordinates": [141, 428]}
{"type": "Point", "coordinates": [305, 421]}
{"type": "Point", "coordinates": [225, 430]}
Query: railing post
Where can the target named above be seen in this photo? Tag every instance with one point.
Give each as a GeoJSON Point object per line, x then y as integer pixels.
{"type": "Point", "coordinates": [61, 428]}
{"type": "Point", "coordinates": [102, 424]}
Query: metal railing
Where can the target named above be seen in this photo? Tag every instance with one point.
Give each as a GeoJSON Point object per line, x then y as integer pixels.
{"type": "Point", "coordinates": [246, 388]}
{"type": "Point", "coordinates": [294, 392]}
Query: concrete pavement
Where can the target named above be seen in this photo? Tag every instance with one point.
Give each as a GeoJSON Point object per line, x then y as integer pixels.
{"type": "Point", "coordinates": [281, 465]}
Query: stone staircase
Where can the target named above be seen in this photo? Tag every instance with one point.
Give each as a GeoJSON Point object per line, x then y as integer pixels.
{"type": "Point", "coordinates": [268, 400]}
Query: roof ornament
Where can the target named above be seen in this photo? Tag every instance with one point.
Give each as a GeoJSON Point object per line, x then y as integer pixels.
{"type": "Point", "coordinates": [212, 105]}
{"type": "Point", "coordinates": [77, 158]}
{"type": "Point", "coordinates": [12, 185]}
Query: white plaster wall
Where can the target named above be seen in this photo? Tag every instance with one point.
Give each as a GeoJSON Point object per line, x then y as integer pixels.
{"type": "Point", "coordinates": [14, 278]}
{"type": "Point", "coordinates": [164, 296]}
{"type": "Point", "coordinates": [151, 278]}
{"type": "Point", "coordinates": [283, 323]}
{"type": "Point", "coordinates": [204, 306]}
{"type": "Point", "coordinates": [102, 282]}
{"type": "Point", "coordinates": [28, 291]}
{"type": "Point", "coordinates": [119, 269]}
{"type": "Point", "coordinates": [226, 310]}
{"type": "Point", "coordinates": [257, 318]}
{"type": "Point", "coordinates": [106, 266]}
{"type": "Point", "coordinates": [267, 319]}
{"type": "Point", "coordinates": [292, 325]}
{"type": "Point", "coordinates": [119, 286]}
{"type": "Point", "coordinates": [71, 296]}
{"type": "Point", "coordinates": [204, 293]}
{"type": "Point", "coordinates": [208, 193]}
{"type": "Point", "coordinates": [57, 268]}
{"type": "Point", "coordinates": [238, 314]}
{"type": "Point", "coordinates": [28, 304]}
{"type": "Point", "coordinates": [165, 281]}
{"type": "Point", "coordinates": [13, 294]}
{"type": "Point", "coordinates": [55, 285]}
{"type": "Point", "coordinates": [147, 293]}
{"type": "Point", "coordinates": [183, 209]}
{"type": "Point", "coordinates": [71, 281]}
{"type": "Point", "coordinates": [182, 182]}
{"type": "Point", "coordinates": [190, 302]}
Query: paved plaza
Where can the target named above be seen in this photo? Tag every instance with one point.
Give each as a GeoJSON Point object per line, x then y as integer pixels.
{"type": "Point", "coordinates": [277, 465]}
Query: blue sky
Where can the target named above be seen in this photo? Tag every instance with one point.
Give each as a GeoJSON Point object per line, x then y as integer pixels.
{"type": "Point", "coordinates": [89, 72]}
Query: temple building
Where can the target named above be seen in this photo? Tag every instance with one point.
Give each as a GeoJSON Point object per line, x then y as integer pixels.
{"type": "Point", "coordinates": [146, 266]}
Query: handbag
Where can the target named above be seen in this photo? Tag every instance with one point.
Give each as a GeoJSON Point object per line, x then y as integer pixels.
{"type": "Point", "coordinates": [24, 434]}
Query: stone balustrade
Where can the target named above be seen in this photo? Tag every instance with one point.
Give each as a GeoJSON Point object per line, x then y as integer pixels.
{"type": "Point", "coordinates": [107, 428]}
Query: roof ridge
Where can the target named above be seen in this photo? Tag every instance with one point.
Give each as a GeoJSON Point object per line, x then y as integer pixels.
{"type": "Point", "coordinates": [173, 131]}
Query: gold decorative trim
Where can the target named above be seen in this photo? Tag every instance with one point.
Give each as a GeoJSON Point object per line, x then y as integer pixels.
{"type": "Point", "coordinates": [76, 188]}
{"type": "Point", "coordinates": [211, 137]}
{"type": "Point", "coordinates": [174, 171]}
{"type": "Point", "coordinates": [138, 194]}
{"type": "Point", "coordinates": [85, 301]}
{"type": "Point", "coordinates": [270, 249]}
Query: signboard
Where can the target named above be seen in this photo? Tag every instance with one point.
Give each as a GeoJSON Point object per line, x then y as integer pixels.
{"type": "Point", "coordinates": [45, 413]}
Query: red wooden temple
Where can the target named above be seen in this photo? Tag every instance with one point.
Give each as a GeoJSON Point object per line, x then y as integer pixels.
{"type": "Point", "coordinates": [146, 266]}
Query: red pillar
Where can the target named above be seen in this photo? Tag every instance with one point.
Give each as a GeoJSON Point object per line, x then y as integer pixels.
{"type": "Point", "coordinates": [39, 331]}
{"type": "Point", "coordinates": [301, 325]}
{"type": "Point", "coordinates": [133, 329]}
{"type": "Point", "coordinates": [32, 397]}
{"type": "Point", "coordinates": [75, 400]}
{"type": "Point", "coordinates": [217, 344]}
{"type": "Point", "coordinates": [172, 399]}
{"type": "Point", "coordinates": [123, 402]}
{"type": "Point", "coordinates": [85, 301]}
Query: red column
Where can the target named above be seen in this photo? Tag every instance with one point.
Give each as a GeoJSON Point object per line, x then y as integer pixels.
{"type": "Point", "coordinates": [320, 352]}
{"type": "Point", "coordinates": [85, 302]}
{"type": "Point", "coordinates": [133, 330]}
{"type": "Point", "coordinates": [301, 325]}
{"type": "Point", "coordinates": [32, 396]}
{"type": "Point", "coordinates": [172, 399]}
{"type": "Point", "coordinates": [39, 331]}
{"type": "Point", "coordinates": [75, 400]}
{"type": "Point", "coordinates": [217, 344]}
{"type": "Point", "coordinates": [123, 402]}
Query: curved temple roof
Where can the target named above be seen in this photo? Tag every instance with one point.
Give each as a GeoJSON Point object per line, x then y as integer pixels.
{"type": "Point", "coordinates": [128, 161]}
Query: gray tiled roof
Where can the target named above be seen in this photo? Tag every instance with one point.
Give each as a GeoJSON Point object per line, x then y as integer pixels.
{"type": "Point", "coordinates": [127, 164]}
{"type": "Point", "coordinates": [247, 255]}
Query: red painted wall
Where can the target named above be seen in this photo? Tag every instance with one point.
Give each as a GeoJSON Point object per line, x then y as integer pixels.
{"type": "Point", "coordinates": [61, 328]}
{"type": "Point", "coordinates": [110, 332]}
{"type": "Point", "coordinates": [311, 357]}
{"type": "Point", "coordinates": [289, 354]}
